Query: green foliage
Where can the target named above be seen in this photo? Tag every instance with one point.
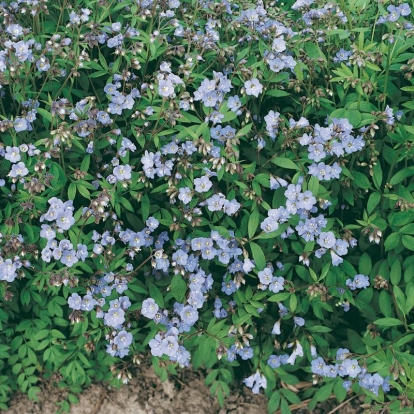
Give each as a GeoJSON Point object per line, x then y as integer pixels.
{"type": "Point", "coordinates": [283, 292]}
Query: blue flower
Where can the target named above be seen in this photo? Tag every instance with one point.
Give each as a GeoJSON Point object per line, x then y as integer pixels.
{"type": "Point", "coordinates": [43, 64]}
{"type": "Point", "coordinates": [88, 303]}
{"type": "Point", "coordinates": [327, 240]}
{"type": "Point", "coordinates": [122, 172]}
{"type": "Point", "coordinates": [342, 56]}
{"type": "Point", "coordinates": [245, 353]}
{"type": "Point", "coordinates": [69, 257]}
{"type": "Point", "coordinates": [18, 170]}
{"type": "Point", "coordinates": [255, 382]}
{"type": "Point", "coordinates": [341, 354]}
{"type": "Point", "coordinates": [253, 87]}
{"type": "Point", "coordinates": [170, 345]}
{"type": "Point", "coordinates": [115, 317]}
{"type": "Point", "coordinates": [394, 14]}
{"type": "Point", "coordinates": [276, 328]}
{"type": "Point", "coordinates": [65, 219]}
{"type": "Point", "coordinates": [318, 365]}
{"type": "Point", "coordinates": [265, 276]}
{"type": "Point", "coordinates": [189, 315]}
{"type": "Point", "coordinates": [156, 345]}
{"type": "Point", "coordinates": [228, 287]}
{"type": "Point", "coordinates": [274, 361]}
{"type": "Point", "coordinates": [149, 308]}
{"type": "Point", "coordinates": [123, 339]}
{"type": "Point", "coordinates": [182, 356]}
{"type": "Point", "coordinates": [75, 301]}
{"type": "Point", "coordinates": [298, 321]}
{"type": "Point", "coordinates": [21, 124]}
{"type": "Point", "coordinates": [13, 153]}
{"type": "Point", "coordinates": [359, 282]}
{"type": "Point", "coordinates": [352, 367]}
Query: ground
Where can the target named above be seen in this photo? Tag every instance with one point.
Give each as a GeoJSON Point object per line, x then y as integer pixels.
{"type": "Point", "coordinates": [146, 394]}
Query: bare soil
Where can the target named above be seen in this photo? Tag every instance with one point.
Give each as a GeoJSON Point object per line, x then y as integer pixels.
{"type": "Point", "coordinates": [146, 394]}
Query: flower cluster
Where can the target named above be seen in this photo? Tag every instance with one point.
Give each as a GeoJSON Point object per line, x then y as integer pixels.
{"type": "Point", "coordinates": [208, 181]}
{"type": "Point", "coordinates": [335, 139]}
{"type": "Point", "coordinates": [60, 217]}
{"type": "Point", "coordinates": [244, 352]}
{"type": "Point", "coordinates": [346, 367]}
{"type": "Point", "coordinates": [359, 282]}
{"type": "Point", "coordinates": [394, 13]}
{"type": "Point", "coordinates": [9, 268]}
{"type": "Point", "coordinates": [255, 382]}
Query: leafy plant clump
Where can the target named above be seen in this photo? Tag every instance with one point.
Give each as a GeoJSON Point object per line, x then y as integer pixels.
{"type": "Point", "coordinates": [217, 184]}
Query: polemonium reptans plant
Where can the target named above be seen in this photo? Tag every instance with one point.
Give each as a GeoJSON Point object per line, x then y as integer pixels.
{"type": "Point", "coordinates": [212, 184]}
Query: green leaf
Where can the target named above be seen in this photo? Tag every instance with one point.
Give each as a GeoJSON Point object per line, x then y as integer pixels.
{"type": "Point", "coordinates": [313, 51]}
{"type": "Point", "coordinates": [145, 207]}
{"type": "Point", "coordinates": [313, 185]}
{"type": "Point", "coordinates": [277, 93]}
{"type": "Point", "coordinates": [279, 297]}
{"type": "Point", "coordinates": [273, 403]}
{"type": "Point", "coordinates": [156, 295]}
{"type": "Point", "coordinates": [387, 322]}
{"type": "Point", "coordinates": [85, 163]}
{"type": "Point", "coordinates": [243, 319]}
{"type": "Point", "coordinates": [373, 200]}
{"type": "Point", "coordinates": [323, 393]}
{"type": "Point", "coordinates": [319, 329]}
{"type": "Point", "coordinates": [400, 299]}
{"type": "Point", "coordinates": [361, 180]}
{"type": "Point", "coordinates": [385, 303]}
{"type": "Point", "coordinates": [211, 377]}
{"type": "Point", "coordinates": [71, 191]}
{"type": "Point", "coordinates": [353, 115]}
{"type": "Point", "coordinates": [395, 273]}
{"type": "Point", "coordinates": [365, 264]}
{"type": "Point", "coordinates": [244, 131]}
{"type": "Point", "coordinates": [407, 229]}
{"type": "Point", "coordinates": [339, 390]}
{"type": "Point", "coordinates": [258, 255]}
{"type": "Point", "coordinates": [83, 191]}
{"type": "Point", "coordinates": [178, 287]}
{"type": "Point", "coordinates": [45, 114]}
{"type": "Point", "coordinates": [402, 175]}
{"type": "Point", "coordinates": [43, 333]}
{"type": "Point", "coordinates": [253, 223]}
{"type": "Point", "coordinates": [404, 340]}
{"type": "Point", "coordinates": [378, 175]}
{"type": "Point", "coordinates": [285, 163]}
{"type": "Point", "coordinates": [293, 302]}
{"type": "Point", "coordinates": [408, 242]}
{"type": "Point", "coordinates": [392, 241]}
{"type": "Point", "coordinates": [402, 218]}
